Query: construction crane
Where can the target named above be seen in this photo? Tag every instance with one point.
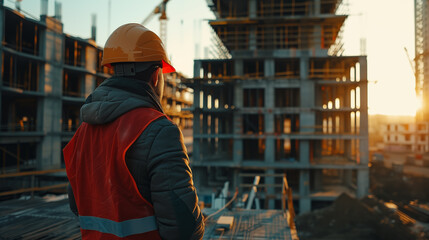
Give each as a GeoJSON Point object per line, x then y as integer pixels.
{"type": "Point", "coordinates": [412, 64]}
{"type": "Point", "coordinates": [159, 9]}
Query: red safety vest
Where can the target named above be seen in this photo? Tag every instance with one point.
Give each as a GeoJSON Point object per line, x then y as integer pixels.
{"type": "Point", "coordinates": [109, 203]}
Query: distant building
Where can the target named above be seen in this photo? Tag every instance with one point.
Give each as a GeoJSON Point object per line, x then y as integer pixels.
{"type": "Point", "coordinates": [406, 137]}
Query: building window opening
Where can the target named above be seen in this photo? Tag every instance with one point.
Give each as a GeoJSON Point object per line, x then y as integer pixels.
{"type": "Point", "coordinates": [253, 97]}
{"type": "Point", "coordinates": [287, 150]}
{"type": "Point", "coordinates": [254, 149]}
{"type": "Point", "coordinates": [71, 119]}
{"type": "Point", "coordinates": [287, 97]}
{"type": "Point", "coordinates": [74, 53]}
{"type": "Point", "coordinates": [253, 123]}
{"type": "Point", "coordinates": [18, 72]}
{"type": "Point", "coordinates": [72, 83]}
{"type": "Point", "coordinates": [253, 68]}
{"type": "Point", "coordinates": [19, 115]}
{"type": "Point", "coordinates": [286, 123]}
{"type": "Point", "coordinates": [285, 68]}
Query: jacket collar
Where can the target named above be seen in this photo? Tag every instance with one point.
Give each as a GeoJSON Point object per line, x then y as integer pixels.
{"type": "Point", "coordinates": [135, 86]}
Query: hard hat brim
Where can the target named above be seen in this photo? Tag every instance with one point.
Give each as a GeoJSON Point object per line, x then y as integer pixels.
{"type": "Point", "coordinates": [167, 68]}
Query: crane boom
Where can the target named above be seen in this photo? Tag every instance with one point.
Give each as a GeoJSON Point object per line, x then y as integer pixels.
{"type": "Point", "coordinates": [409, 60]}
{"type": "Point", "coordinates": [159, 9]}
{"type": "Point", "coordinates": [148, 18]}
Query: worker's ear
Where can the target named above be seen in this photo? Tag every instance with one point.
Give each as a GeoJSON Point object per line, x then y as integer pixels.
{"type": "Point", "coordinates": [155, 77]}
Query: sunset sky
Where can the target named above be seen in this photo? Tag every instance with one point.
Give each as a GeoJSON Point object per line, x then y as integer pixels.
{"type": "Point", "coordinates": [387, 26]}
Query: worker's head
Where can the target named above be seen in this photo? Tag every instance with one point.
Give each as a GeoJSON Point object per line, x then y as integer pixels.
{"type": "Point", "coordinates": [135, 51]}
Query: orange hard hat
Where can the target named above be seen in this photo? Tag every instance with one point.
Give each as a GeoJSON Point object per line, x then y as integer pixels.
{"type": "Point", "coordinates": [133, 42]}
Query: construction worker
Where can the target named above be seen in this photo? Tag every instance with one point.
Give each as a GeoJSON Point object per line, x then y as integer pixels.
{"type": "Point", "coordinates": [127, 165]}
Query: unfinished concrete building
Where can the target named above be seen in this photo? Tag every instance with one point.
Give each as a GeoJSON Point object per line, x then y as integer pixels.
{"type": "Point", "coordinates": [177, 100]}
{"type": "Point", "coordinates": [46, 76]}
{"type": "Point", "coordinates": [284, 103]}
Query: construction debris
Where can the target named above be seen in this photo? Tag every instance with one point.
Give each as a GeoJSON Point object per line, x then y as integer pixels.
{"type": "Point", "coordinates": [349, 218]}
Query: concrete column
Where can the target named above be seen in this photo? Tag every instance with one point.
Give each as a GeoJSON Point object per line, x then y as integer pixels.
{"type": "Point", "coordinates": [237, 116]}
{"type": "Point", "coordinates": [362, 183]}
{"type": "Point", "coordinates": [316, 7]}
{"type": "Point", "coordinates": [270, 189]}
{"type": "Point", "coordinates": [212, 132]}
{"type": "Point", "coordinates": [238, 124]}
{"type": "Point", "coordinates": [197, 67]}
{"type": "Point", "coordinates": [363, 174]}
{"type": "Point", "coordinates": [253, 7]}
{"type": "Point", "coordinates": [307, 118]}
{"type": "Point", "coordinates": [196, 122]}
{"type": "Point", "coordinates": [90, 65]}
{"type": "Point", "coordinates": [269, 125]}
{"type": "Point", "coordinates": [50, 107]}
{"type": "Point", "coordinates": [304, 191]}
{"type": "Point", "coordinates": [204, 124]}
{"type": "Point", "coordinates": [317, 43]}
{"type": "Point", "coordinates": [252, 38]}
{"type": "Point", "coordinates": [317, 38]}
{"type": "Point", "coordinates": [363, 131]}
{"type": "Point", "coordinates": [269, 106]}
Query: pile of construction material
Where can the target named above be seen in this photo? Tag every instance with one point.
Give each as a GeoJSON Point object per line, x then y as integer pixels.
{"type": "Point", "coordinates": [38, 218]}
{"type": "Point", "coordinates": [352, 219]}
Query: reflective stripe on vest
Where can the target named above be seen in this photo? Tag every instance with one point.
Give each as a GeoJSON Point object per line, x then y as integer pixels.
{"type": "Point", "coordinates": [120, 229]}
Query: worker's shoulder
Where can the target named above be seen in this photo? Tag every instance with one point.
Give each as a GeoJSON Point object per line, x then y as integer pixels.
{"type": "Point", "coordinates": [158, 129]}
{"type": "Point", "coordinates": [162, 123]}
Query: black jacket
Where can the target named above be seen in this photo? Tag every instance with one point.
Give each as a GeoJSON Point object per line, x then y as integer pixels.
{"type": "Point", "coordinates": [158, 160]}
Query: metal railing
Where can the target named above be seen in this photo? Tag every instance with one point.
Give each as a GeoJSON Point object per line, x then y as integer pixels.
{"type": "Point", "coordinates": [287, 198]}
{"type": "Point", "coordinates": [287, 194]}
{"type": "Point", "coordinates": [32, 187]}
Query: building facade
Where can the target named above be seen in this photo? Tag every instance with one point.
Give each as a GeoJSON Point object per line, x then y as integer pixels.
{"type": "Point", "coordinates": [284, 103]}
{"type": "Point", "coordinates": [406, 137]}
{"type": "Point", "coordinates": [46, 76]}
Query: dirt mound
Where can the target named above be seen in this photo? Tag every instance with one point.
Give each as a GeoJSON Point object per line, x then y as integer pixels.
{"type": "Point", "coordinates": [349, 218]}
